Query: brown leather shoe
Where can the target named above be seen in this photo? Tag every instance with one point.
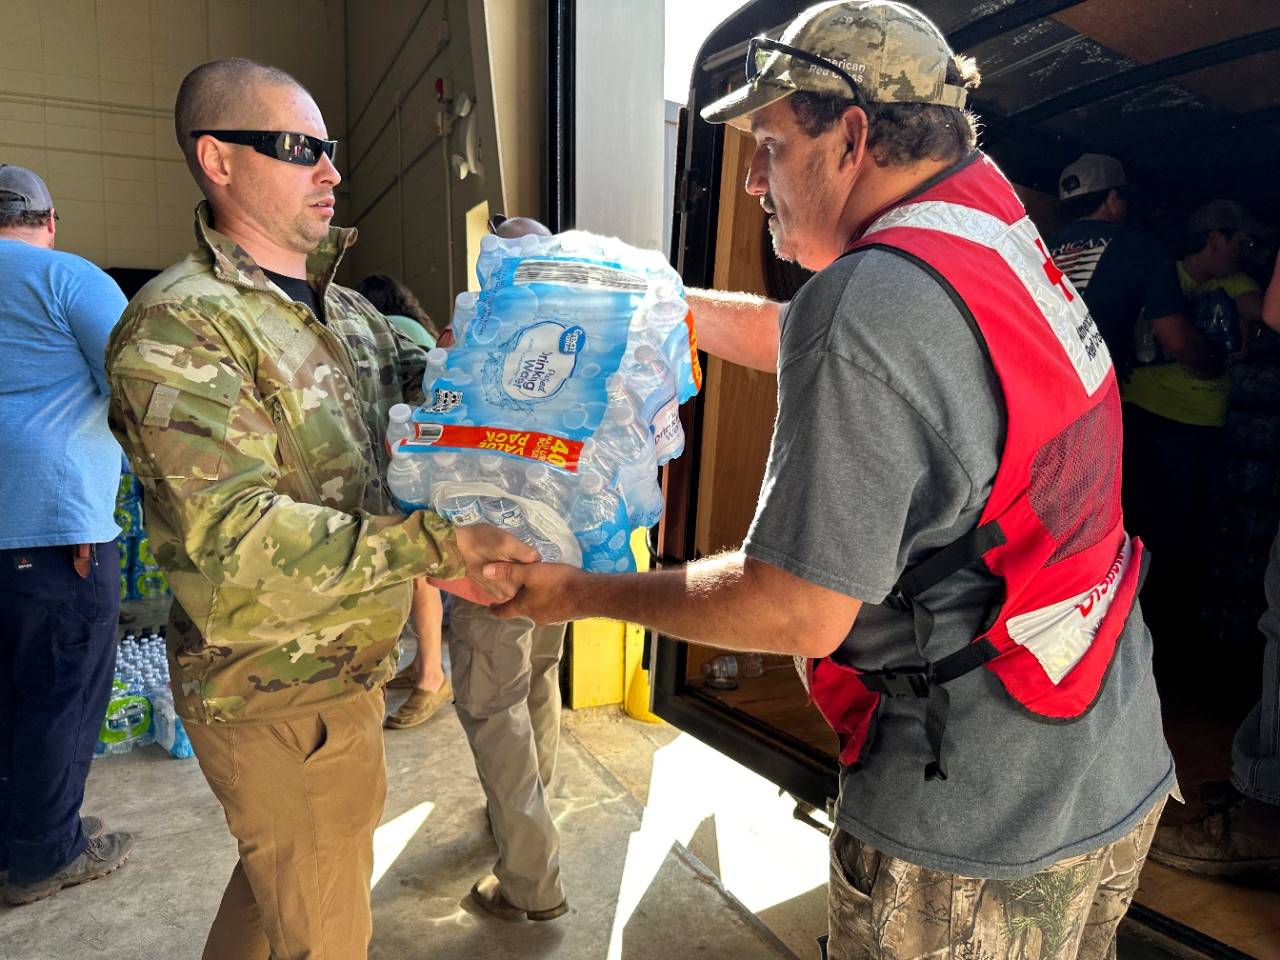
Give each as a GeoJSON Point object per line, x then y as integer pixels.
{"type": "Point", "coordinates": [419, 708]}
{"type": "Point", "coordinates": [1235, 835]}
{"type": "Point", "coordinates": [103, 855]}
{"type": "Point", "coordinates": [487, 894]}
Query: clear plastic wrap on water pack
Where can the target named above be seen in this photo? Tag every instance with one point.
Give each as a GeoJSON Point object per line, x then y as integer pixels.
{"type": "Point", "coordinates": [559, 401]}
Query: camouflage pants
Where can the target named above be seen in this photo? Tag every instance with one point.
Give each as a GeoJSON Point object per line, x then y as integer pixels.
{"type": "Point", "coordinates": [883, 908]}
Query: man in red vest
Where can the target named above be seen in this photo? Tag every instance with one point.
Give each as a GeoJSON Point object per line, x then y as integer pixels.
{"type": "Point", "coordinates": [939, 533]}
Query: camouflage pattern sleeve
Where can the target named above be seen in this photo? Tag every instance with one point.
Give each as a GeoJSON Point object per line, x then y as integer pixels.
{"type": "Point", "coordinates": [412, 362]}
{"type": "Point", "coordinates": [189, 415]}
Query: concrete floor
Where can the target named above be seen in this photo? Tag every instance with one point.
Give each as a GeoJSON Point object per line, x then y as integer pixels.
{"type": "Point", "coordinates": [666, 846]}
{"type": "Point", "coordinates": [634, 893]}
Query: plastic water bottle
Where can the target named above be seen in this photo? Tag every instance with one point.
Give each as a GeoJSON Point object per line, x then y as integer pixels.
{"type": "Point", "coordinates": [169, 732]}
{"type": "Point", "coordinates": [437, 360]}
{"type": "Point", "coordinates": [464, 311]}
{"type": "Point", "coordinates": [542, 484]}
{"type": "Point", "coordinates": [666, 312]}
{"type": "Point", "coordinates": [723, 671]}
{"type": "Point", "coordinates": [488, 260]}
{"type": "Point", "coordinates": [461, 511]}
{"type": "Point", "coordinates": [649, 378]}
{"type": "Point", "coordinates": [1144, 346]}
{"type": "Point", "coordinates": [627, 442]}
{"type": "Point", "coordinates": [507, 515]}
{"type": "Point", "coordinates": [128, 720]}
{"type": "Point", "coordinates": [443, 467]}
{"type": "Point", "coordinates": [408, 481]}
{"type": "Point", "coordinates": [501, 472]}
{"type": "Point", "coordinates": [399, 427]}
{"type": "Point", "coordinates": [597, 516]}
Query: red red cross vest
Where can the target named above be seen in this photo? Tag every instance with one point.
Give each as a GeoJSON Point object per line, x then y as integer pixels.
{"type": "Point", "coordinates": [1052, 529]}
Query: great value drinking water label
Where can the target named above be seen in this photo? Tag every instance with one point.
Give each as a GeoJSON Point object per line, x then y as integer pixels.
{"type": "Point", "coordinates": [547, 448]}
{"type": "Point", "coordinates": [542, 360]}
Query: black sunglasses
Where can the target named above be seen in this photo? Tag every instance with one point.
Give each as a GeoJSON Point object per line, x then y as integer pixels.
{"type": "Point", "coordinates": [759, 49]}
{"type": "Point", "coordinates": [496, 221]}
{"type": "Point", "coordinates": [299, 148]}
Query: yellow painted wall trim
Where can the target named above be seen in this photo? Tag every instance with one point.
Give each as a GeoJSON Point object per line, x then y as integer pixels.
{"type": "Point", "coordinates": [605, 667]}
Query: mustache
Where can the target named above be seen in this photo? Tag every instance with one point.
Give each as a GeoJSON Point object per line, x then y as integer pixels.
{"type": "Point", "coordinates": [767, 203]}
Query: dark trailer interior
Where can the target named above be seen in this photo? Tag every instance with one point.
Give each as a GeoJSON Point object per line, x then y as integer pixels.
{"type": "Point", "coordinates": [1186, 93]}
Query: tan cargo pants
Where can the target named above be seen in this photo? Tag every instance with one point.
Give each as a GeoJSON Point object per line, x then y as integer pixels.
{"type": "Point", "coordinates": [302, 798]}
{"type": "Point", "coordinates": [883, 908]}
{"type": "Point", "coordinates": [506, 688]}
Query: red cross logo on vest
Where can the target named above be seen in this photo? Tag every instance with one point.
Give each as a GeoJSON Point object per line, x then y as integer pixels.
{"type": "Point", "coordinates": [1053, 273]}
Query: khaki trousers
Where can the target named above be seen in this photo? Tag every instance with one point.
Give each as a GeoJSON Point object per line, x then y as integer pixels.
{"type": "Point", "coordinates": [506, 688]}
{"type": "Point", "coordinates": [883, 908]}
{"type": "Point", "coordinates": [302, 798]}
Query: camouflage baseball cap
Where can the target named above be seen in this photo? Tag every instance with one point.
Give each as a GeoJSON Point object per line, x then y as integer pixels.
{"type": "Point", "coordinates": [891, 51]}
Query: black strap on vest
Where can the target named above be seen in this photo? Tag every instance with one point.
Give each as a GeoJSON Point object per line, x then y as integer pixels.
{"type": "Point", "coordinates": [926, 679]}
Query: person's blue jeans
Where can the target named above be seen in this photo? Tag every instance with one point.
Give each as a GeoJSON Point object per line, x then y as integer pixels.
{"type": "Point", "coordinates": [1255, 753]}
{"type": "Point", "coordinates": [57, 658]}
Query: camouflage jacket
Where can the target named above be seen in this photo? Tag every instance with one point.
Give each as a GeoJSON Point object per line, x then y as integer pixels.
{"type": "Point", "coordinates": [257, 432]}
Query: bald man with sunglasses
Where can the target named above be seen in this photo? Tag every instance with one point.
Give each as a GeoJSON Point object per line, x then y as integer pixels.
{"type": "Point", "coordinates": [251, 395]}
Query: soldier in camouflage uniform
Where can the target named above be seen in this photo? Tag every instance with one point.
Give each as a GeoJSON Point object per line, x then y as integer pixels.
{"type": "Point", "coordinates": [250, 393]}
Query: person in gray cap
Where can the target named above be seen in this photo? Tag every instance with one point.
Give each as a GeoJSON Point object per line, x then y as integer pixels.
{"type": "Point", "coordinates": [937, 354]}
{"type": "Point", "coordinates": [59, 568]}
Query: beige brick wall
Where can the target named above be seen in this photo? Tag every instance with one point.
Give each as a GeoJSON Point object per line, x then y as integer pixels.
{"type": "Point", "coordinates": [86, 100]}
{"type": "Point", "coordinates": [397, 49]}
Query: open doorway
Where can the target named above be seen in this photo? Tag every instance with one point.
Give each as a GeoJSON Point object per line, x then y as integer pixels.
{"type": "Point", "coordinates": [1183, 98]}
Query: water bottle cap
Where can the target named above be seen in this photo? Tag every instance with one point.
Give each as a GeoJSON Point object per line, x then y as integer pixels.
{"type": "Point", "coordinates": [645, 352]}
{"type": "Point", "coordinates": [466, 300]}
{"type": "Point", "coordinates": [536, 471]}
{"type": "Point", "coordinates": [489, 243]}
{"type": "Point", "coordinates": [621, 414]}
{"type": "Point", "coordinates": [400, 413]}
{"type": "Point", "coordinates": [489, 461]}
{"type": "Point", "coordinates": [666, 291]}
{"type": "Point", "coordinates": [592, 483]}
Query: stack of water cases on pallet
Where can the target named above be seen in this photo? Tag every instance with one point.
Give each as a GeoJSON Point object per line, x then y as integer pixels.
{"type": "Point", "coordinates": [140, 575]}
{"type": "Point", "coordinates": [559, 401]}
{"type": "Point", "coordinates": [1248, 511]}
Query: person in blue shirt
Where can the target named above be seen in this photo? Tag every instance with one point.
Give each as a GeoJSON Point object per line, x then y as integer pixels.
{"type": "Point", "coordinates": [59, 567]}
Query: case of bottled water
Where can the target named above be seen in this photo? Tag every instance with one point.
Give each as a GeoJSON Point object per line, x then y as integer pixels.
{"type": "Point", "coordinates": [141, 710]}
{"type": "Point", "coordinates": [559, 401]}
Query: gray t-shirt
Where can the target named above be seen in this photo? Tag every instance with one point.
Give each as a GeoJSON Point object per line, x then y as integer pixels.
{"type": "Point", "coordinates": [889, 431]}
